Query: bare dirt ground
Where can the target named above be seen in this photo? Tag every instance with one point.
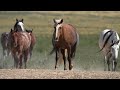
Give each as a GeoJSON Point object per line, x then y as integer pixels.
{"type": "Point", "coordinates": [56, 74]}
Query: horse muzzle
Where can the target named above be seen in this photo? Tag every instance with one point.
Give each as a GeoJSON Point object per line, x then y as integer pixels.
{"type": "Point", "coordinates": [56, 39]}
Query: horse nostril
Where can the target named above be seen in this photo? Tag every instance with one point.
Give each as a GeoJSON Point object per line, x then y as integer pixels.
{"type": "Point", "coordinates": [56, 39]}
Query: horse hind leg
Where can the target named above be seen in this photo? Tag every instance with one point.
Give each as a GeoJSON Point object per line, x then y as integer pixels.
{"type": "Point", "coordinates": [15, 62]}
{"type": "Point", "coordinates": [69, 60]}
{"type": "Point", "coordinates": [26, 53]}
{"type": "Point", "coordinates": [108, 62]}
{"type": "Point", "coordinates": [25, 61]}
{"type": "Point", "coordinates": [114, 64]}
{"type": "Point", "coordinates": [105, 59]}
{"type": "Point", "coordinates": [8, 52]}
{"type": "Point", "coordinates": [31, 52]}
{"type": "Point", "coordinates": [73, 50]}
{"type": "Point", "coordinates": [4, 54]}
{"type": "Point", "coordinates": [20, 62]}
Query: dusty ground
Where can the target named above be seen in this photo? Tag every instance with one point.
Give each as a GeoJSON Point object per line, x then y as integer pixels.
{"type": "Point", "coordinates": [56, 74]}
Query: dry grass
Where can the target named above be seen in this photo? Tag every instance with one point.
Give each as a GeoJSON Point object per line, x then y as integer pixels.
{"type": "Point", "coordinates": [56, 74]}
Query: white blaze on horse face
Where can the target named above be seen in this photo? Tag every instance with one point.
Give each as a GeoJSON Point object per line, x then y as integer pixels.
{"type": "Point", "coordinates": [57, 29]}
{"type": "Point", "coordinates": [58, 20]}
{"type": "Point", "coordinates": [21, 25]}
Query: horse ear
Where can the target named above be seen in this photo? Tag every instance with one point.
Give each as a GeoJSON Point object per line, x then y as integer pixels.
{"type": "Point", "coordinates": [26, 30]}
{"type": "Point", "coordinates": [61, 21]}
{"type": "Point", "coordinates": [118, 41]}
{"type": "Point", "coordinates": [11, 30]}
{"type": "Point", "coordinates": [54, 21]}
{"type": "Point", "coordinates": [22, 20]}
{"type": "Point", "coordinates": [16, 20]}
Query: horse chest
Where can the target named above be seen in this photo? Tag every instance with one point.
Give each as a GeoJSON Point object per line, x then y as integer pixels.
{"type": "Point", "coordinates": [61, 44]}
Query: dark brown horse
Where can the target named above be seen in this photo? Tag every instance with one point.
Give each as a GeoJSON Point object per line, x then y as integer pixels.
{"type": "Point", "coordinates": [33, 40]}
{"type": "Point", "coordinates": [65, 38]}
{"type": "Point", "coordinates": [5, 44]}
{"type": "Point", "coordinates": [20, 44]}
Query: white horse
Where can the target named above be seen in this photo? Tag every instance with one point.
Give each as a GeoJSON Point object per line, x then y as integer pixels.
{"type": "Point", "coordinates": [109, 43]}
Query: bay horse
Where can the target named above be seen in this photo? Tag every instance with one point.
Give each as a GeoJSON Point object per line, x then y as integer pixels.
{"type": "Point", "coordinates": [20, 44]}
{"type": "Point", "coordinates": [5, 44]}
{"type": "Point", "coordinates": [33, 41]}
{"type": "Point", "coordinates": [19, 25]}
{"type": "Point", "coordinates": [65, 38]}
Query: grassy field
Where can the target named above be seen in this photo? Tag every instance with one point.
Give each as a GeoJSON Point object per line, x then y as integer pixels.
{"type": "Point", "coordinates": [88, 24]}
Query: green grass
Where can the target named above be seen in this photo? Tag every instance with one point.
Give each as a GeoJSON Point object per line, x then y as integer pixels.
{"type": "Point", "coordinates": [88, 24]}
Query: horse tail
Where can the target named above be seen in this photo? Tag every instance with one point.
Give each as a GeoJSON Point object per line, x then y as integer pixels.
{"type": "Point", "coordinates": [77, 39]}
{"type": "Point", "coordinates": [76, 44]}
{"type": "Point", "coordinates": [53, 50]}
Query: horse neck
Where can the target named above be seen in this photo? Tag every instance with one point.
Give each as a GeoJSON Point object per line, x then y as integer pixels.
{"type": "Point", "coordinates": [62, 33]}
{"type": "Point", "coordinates": [17, 28]}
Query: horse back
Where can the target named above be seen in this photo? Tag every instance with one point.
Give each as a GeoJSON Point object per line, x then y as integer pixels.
{"type": "Point", "coordinates": [33, 39]}
{"type": "Point", "coordinates": [70, 34]}
{"type": "Point", "coordinates": [23, 40]}
{"type": "Point", "coordinates": [26, 39]}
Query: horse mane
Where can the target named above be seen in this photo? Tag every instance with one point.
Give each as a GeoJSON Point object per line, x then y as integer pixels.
{"type": "Point", "coordinates": [72, 26]}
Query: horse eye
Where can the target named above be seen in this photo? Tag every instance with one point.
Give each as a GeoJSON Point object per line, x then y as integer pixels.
{"type": "Point", "coordinates": [59, 27]}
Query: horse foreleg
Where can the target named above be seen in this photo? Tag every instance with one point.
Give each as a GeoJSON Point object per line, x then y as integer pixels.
{"type": "Point", "coordinates": [56, 58]}
{"type": "Point", "coordinates": [108, 62]}
{"type": "Point", "coordinates": [26, 53]}
{"type": "Point", "coordinates": [64, 58]}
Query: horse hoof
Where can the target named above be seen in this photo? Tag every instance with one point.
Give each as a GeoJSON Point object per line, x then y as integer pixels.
{"type": "Point", "coordinates": [56, 68]}
{"type": "Point", "coordinates": [65, 68]}
{"type": "Point", "coordinates": [70, 68]}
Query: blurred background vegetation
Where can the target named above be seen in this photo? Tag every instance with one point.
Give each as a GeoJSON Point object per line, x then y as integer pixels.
{"type": "Point", "coordinates": [88, 23]}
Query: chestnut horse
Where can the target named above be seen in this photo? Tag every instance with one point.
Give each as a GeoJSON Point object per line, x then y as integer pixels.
{"type": "Point", "coordinates": [20, 44]}
{"type": "Point", "coordinates": [65, 38]}
{"type": "Point", "coordinates": [33, 41]}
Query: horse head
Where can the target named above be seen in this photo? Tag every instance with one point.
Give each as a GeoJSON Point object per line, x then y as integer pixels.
{"type": "Point", "coordinates": [57, 28]}
{"type": "Point", "coordinates": [29, 31]}
{"type": "Point", "coordinates": [19, 25]}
